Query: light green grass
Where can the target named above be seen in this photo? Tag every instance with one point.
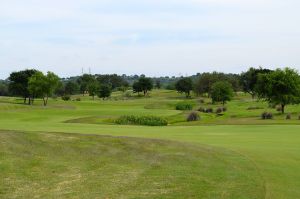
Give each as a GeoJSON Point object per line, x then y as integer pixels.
{"type": "Point", "coordinates": [273, 149]}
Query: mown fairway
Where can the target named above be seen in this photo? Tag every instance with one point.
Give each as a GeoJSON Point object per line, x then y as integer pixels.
{"type": "Point", "coordinates": [241, 160]}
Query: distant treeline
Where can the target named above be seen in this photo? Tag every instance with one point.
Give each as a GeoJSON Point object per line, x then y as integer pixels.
{"type": "Point", "coordinates": [280, 86]}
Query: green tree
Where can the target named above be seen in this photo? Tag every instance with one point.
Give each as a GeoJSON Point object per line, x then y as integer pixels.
{"type": "Point", "coordinates": [137, 87]}
{"type": "Point", "coordinates": [43, 86]}
{"type": "Point", "coordinates": [146, 84]}
{"type": "Point", "coordinates": [221, 92]}
{"type": "Point", "coordinates": [93, 88]}
{"type": "Point", "coordinates": [71, 88]}
{"type": "Point", "coordinates": [158, 84]}
{"type": "Point", "coordinates": [279, 87]}
{"type": "Point", "coordinates": [104, 91]}
{"type": "Point", "coordinates": [184, 85]}
{"type": "Point", "coordinates": [18, 85]}
{"type": "Point", "coordinates": [249, 80]}
{"type": "Point", "coordinates": [84, 82]}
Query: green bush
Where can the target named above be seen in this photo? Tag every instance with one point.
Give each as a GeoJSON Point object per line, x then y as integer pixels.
{"type": "Point", "coordinates": [141, 120]}
{"type": "Point", "coordinates": [66, 97]}
{"type": "Point", "coordinates": [184, 106]}
{"type": "Point", "coordinates": [266, 116]}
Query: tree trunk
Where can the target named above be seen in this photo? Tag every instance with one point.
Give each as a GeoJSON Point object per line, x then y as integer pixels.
{"type": "Point", "coordinates": [282, 108]}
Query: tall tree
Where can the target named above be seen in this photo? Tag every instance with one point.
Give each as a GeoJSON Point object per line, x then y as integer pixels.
{"type": "Point", "coordinates": [84, 82]}
{"type": "Point", "coordinates": [18, 85]}
{"type": "Point", "coordinates": [93, 88]}
{"type": "Point", "coordinates": [184, 85]}
{"type": "Point", "coordinates": [221, 92]}
{"type": "Point", "coordinates": [144, 85]}
{"type": "Point", "coordinates": [71, 88]}
{"type": "Point", "coordinates": [279, 87]}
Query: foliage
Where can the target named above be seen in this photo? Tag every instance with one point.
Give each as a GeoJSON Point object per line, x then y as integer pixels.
{"type": "Point", "coordinates": [249, 79]}
{"type": "Point", "coordinates": [84, 81]}
{"type": "Point", "coordinates": [221, 92]}
{"type": "Point", "coordinates": [18, 83]}
{"type": "Point", "coordinates": [4, 89]}
{"type": "Point", "coordinates": [193, 116]}
{"type": "Point", "coordinates": [279, 87]}
{"type": "Point", "coordinates": [141, 120]}
{"type": "Point", "coordinates": [184, 106]}
{"type": "Point", "coordinates": [266, 116]}
{"type": "Point", "coordinates": [93, 88]}
{"type": "Point", "coordinates": [114, 80]}
{"type": "Point", "coordinates": [289, 116]}
{"type": "Point", "coordinates": [104, 91]}
{"type": "Point", "coordinates": [66, 97]}
{"type": "Point", "coordinates": [71, 88]}
{"type": "Point", "coordinates": [144, 85]}
{"type": "Point", "coordinates": [184, 85]}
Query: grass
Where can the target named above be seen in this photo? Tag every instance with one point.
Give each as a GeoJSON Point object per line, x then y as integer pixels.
{"type": "Point", "coordinates": [272, 146]}
{"type": "Point", "coordinates": [48, 165]}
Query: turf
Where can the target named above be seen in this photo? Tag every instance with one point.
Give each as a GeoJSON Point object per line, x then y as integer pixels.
{"type": "Point", "coordinates": [272, 147]}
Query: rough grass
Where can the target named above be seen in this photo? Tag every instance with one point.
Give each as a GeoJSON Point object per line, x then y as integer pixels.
{"type": "Point", "coordinates": [56, 165]}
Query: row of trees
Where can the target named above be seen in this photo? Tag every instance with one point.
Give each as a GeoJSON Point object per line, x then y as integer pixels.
{"type": "Point", "coordinates": [279, 87]}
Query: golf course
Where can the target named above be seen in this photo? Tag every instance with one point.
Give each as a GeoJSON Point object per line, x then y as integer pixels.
{"type": "Point", "coordinates": [75, 149]}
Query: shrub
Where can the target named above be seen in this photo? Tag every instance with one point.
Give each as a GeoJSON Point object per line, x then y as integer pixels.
{"type": "Point", "coordinates": [209, 110]}
{"type": "Point", "coordinates": [78, 99]}
{"type": "Point", "coordinates": [224, 109]}
{"type": "Point", "coordinates": [184, 106]}
{"type": "Point", "coordinates": [278, 108]}
{"type": "Point", "coordinates": [141, 120]}
{"type": "Point", "coordinates": [201, 109]}
{"type": "Point", "coordinates": [193, 116]}
{"type": "Point", "coordinates": [66, 97]}
{"type": "Point", "coordinates": [201, 101]}
{"type": "Point", "coordinates": [288, 116]}
{"type": "Point", "coordinates": [299, 117]}
{"type": "Point", "coordinates": [254, 108]}
{"type": "Point", "coordinates": [266, 116]}
{"type": "Point", "coordinates": [219, 110]}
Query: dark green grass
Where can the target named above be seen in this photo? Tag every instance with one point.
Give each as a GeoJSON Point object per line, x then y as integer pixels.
{"type": "Point", "coordinates": [56, 165]}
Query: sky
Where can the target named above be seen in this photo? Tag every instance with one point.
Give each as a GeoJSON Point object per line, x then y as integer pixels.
{"type": "Point", "coordinates": [152, 37]}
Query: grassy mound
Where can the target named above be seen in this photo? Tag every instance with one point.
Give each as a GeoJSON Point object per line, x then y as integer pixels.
{"type": "Point", "coordinates": [52, 165]}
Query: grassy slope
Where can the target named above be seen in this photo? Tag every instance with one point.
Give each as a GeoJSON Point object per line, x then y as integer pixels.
{"type": "Point", "coordinates": [274, 149]}
{"type": "Point", "coordinates": [48, 165]}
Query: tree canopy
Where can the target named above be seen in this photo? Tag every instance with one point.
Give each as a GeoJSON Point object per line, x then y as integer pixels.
{"type": "Point", "coordinates": [184, 85]}
{"type": "Point", "coordinates": [221, 92]}
{"type": "Point", "coordinates": [281, 86]}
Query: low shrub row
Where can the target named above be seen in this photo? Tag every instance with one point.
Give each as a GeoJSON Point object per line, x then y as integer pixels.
{"type": "Point", "coordinates": [141, 120]}
{"type": "Point", "coordinates": [184, 106]}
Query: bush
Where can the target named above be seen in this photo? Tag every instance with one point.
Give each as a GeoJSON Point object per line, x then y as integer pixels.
{"type": "Point", "coordinates": [209, 110]}
{"type": "Point", "coordinates": [299, 117]}
{"type": "Point", "coordinates": [78, 99]}
{"type": "Point", "coordinates": [201, 109]}
{"type": "Point", "coordinates": [141, 120]}
{"type": "Point", "coordinates": [254, 108]}
{"type": "Point", "coordinates": [184, 106]}
{"type": "Point", "coordinates": [66, 97]}
{"type": "Point", "coordinates": [278, 108]}
{"type": "Point", "coordinates": [224, 109]}
{"type": "Point", "coordinates": [288, 116]}
{"type": "Point", "coordinates": [201, 101]}
{"type": "Point", "coordinates": [193, 116]}
{"type": "Point", "coordinates": [266, 116]}
{"type": "Point", "coordinates": [219, 110]}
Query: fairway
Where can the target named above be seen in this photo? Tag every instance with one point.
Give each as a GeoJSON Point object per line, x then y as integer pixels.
{"type": "Point", "coordinates": [67, 145]}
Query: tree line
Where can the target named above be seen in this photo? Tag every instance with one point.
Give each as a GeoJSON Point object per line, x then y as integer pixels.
{"type": "Point", "coordinates": [280, 86]}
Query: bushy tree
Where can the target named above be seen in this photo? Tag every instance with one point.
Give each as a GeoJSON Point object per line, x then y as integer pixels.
{"type": "Point", "coordinates": [43, 86]}
{"type": "Point", "coordinates": [104, 91]}
{"type": "Point", "coordinates": [279, 87]}
{"type": "Point", "coordinates": [144, 85]}
{"type": "Point", "coordinates": [221, 92]}
{"type": "Point", "coordinates": [71, 88]}
{"type": "Point", "coordinates": [184, 85]}
{"type": "Point", "coordinates": [84, 82]}
{"type": "Point", "coordinates": [18, 85]}
{"type": "Point", "coordinates": [3, 89]}
{"type": "Point", "coordinates": [249, 79]}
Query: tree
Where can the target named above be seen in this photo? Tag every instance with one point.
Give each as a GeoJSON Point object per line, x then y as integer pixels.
{"type": "Point", "coordinates": [249, 80]}
{"type": "Point", "coordinates": [93, 88]}
{"type": "Point", "coordinates": [221, 92]}
{"type": "Point", "coordinates": [18, 84]}
{"type": "Point", "coordinates": [157, 84]}
{"type": "Point", "coordinates": [71, 88]}
{"type": "Point", "coordinates": [84, 82]}
{"type": "Point", "coordinates": [145, 84]}
{"type": "Point", "coordinates": [3, 88]}
{"type": "Point", "coordinates": [279, 87]}
{"type": "Point", "coordinates": [104, 91]}
{"type": "Point", "coordinates": [184, 85]}
{"type": "Point", "coordinates": [43, 86]}
{"type": "Point", "coordinates": [137, 87]}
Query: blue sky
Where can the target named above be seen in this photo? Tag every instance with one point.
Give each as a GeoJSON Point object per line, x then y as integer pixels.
{"type": "Point", "coordinates": [153, 37]}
